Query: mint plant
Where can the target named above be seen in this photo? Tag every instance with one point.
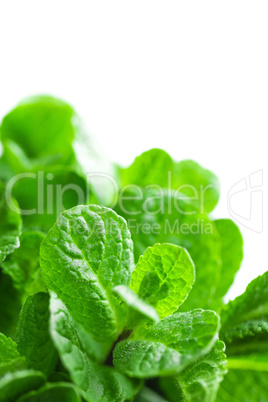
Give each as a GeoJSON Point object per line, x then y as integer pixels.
{"type": "Point", "coordinates": [118, 297]}
{"type": "Point", "coordinates": [107, 342]}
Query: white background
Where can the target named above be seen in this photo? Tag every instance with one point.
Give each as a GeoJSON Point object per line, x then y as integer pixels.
{"type": "Point", "coordinates": [190, 77]}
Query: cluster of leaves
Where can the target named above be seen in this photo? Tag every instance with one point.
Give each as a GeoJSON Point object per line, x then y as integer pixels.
{"type": "Point", "coordinates": [96, 309]}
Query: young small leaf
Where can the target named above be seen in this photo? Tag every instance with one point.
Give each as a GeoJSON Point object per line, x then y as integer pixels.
{"type": "Point", "coordinates": [163, 277]}
{"type": "Point", "coordinates": [165, 217]}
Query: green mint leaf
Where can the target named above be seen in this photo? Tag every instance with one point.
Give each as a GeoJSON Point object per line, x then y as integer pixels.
{"type": "Point", "coordinates": [243, 386]}
{"type": "Point", "coordinates": [61, 188]}
{"type": "Point", "coordinates": [16, 158]}
{"type": "Point", "coordinates": [20, 277]}
{"type": "Point", "coordinates": [10, 267]}
{"type": "Point", "coordinates": [163, 277]}
{"type": "Point", "coordinates": [5, 170]}
{"type": "Point", "coordinates": [231, 244]}
{"type": "Point", "coordinates": [245, 329]}
{"type": "Point", "coordinates": [169, 346]}
{"type": "Point", "coordinates": [196, 182]}
{"type": "Point", "coordinates": [84, 256]}
{"type": "Point", "coordinates": [23, 264]}
{"type": "Point", "coordinates": [138, 309]}
{"type": "Point", "coordinates": [246, 337]}
{"type": "Point", "coordinates": [155, 167]}
{"type": "Point", "coordinates": [43, 132]}
{"type": "Point", "coordinates": [156, 163]}
{"type": "Point", "coordinates": [200, 381]}
{"type": "Point", "coordinates": [13, 385]}
{"type": "Point", "coordinates": [53, 393]}
{"type": "Point", "coordinates": [146, 359]}
{"type": "Point", "coordinates": [10, 300]}
{"type": "Point", "coordinates": [245, 318]}
{"type": "Point", "coordinates": [10, 358]}
{"type": "Point", "coordinates": [32, 335]}
{"type": "Point", "coordinates": [164, 217]}
{"type": "Point", "coordinates": [97, 383]}
{"type": "Point", "coordinates": [41, 126]}
{"type": "Point", "coordinates": [10, 226]}
{"type": "Point", "coordinates": [194, 331]}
